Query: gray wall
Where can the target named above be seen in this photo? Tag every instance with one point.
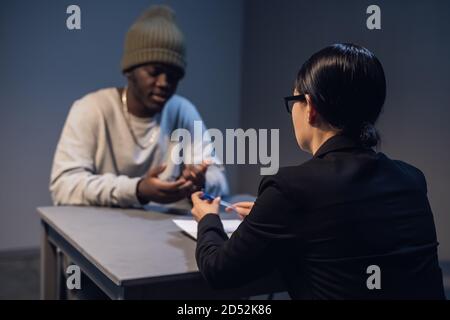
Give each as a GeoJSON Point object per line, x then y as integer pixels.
{"type": "Point", "coordinates": [414, 48]}
{"type": "Point", "coordinates": [45, 67]}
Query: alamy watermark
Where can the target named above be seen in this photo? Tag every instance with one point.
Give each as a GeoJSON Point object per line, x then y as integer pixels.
{"type": "Point", "coordinates": [373, 22]}
{"type": "Point", "coordinates": [73, 21]}
{"type": "Point", "coordinates": [73, 280]}
{"type": "Point", "coordinates": [235, 144]}
{"type": "Point", "coordinates": [374, 280]}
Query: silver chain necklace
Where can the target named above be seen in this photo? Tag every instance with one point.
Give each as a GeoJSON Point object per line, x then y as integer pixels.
{"type": "Point", "coordinates": [128, 121]}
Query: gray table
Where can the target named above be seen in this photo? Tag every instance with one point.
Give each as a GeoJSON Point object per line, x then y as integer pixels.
{"type": "Point", "coordinates": [129, 254]}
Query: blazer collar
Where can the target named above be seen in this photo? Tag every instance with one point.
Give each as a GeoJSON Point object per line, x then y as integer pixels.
{"type": "Point", "coordinates": [337, 142]}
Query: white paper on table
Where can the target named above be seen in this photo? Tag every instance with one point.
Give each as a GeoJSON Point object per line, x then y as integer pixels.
{"type": "Point", "coordinates": [190, 226]}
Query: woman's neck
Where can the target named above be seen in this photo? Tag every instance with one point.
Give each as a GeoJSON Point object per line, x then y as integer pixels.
{"type": "Point", "coordinates": [320, 138]}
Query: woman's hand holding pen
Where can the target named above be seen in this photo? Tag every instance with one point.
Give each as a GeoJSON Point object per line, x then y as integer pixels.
{"type": "Point", "coordinates": [241, 208]}
{"type": "Point", "coordinates": [202, 207]}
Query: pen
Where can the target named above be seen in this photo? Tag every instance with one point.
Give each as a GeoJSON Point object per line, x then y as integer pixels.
{"type": "Point", "coordinates": [206, 196]}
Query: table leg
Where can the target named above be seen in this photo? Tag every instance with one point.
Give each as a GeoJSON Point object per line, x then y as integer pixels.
{"type": "Point", "coordinates": [49, 272]}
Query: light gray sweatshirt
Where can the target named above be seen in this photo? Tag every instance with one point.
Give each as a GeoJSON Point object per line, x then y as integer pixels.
{"type": "Point", "coordinates": [97, 162]}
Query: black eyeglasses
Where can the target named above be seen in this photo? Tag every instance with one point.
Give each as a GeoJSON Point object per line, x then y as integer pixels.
{"type": "Point", "coordinates": [290, 100]}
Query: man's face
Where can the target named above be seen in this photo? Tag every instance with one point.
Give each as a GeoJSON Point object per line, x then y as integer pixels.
{"type": "Point", "coordinates": [153, 84]}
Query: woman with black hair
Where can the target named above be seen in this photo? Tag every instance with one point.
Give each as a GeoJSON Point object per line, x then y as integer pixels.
{"type": "Point", "coordinates": [328, 223]}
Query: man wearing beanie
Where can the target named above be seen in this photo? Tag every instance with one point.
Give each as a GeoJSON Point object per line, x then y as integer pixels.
{"type": "Point", "coordinates": [115, 147]}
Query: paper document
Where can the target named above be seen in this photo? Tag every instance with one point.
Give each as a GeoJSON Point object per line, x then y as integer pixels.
{"type": "Point", "coordinates": [190, 226]}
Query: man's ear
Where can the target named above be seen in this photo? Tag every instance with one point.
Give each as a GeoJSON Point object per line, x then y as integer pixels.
{"type": "Point", "coordinates": [131, 77]}
{"type": "Point", "coordinates": [128, 74]}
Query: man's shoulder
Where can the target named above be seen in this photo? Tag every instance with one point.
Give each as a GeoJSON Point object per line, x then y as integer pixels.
{"type": "Point", "coordinates": [97, 102]}
{"type": "Point", "coordinates": [180, 103]}
{"type": "Point", "coordinates": [180, 112]}
{"type": "Point", "coordinates": [99, 97]}
{"type": "Point", "coordinates": [90, 109]}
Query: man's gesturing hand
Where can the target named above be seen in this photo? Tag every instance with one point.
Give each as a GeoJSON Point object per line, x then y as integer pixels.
{"type": "Point", "coordinates": [151, 188]}
{"type": "Point", "coordinates": [196, 174]}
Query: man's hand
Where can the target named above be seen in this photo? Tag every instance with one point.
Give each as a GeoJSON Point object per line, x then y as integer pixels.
{"type": "Point", "coordinates": [242, 208]}
{"type": "Point", "coordinates": [151, 188]}
{"type": "Point", "coordinates": [203, 207]}
{"type": "Point", "coordinates": [196, 174]}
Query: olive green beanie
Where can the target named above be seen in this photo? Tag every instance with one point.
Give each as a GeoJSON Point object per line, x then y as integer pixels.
{"type": "Point", "coordinates": [154, 37]}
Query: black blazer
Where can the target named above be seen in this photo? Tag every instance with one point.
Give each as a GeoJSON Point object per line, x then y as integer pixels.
{"type": "Point", "coordinates": [323, 223]}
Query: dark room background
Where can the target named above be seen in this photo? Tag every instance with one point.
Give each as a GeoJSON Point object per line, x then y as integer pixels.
{"type": "Point", "coordinates": [242, 59]}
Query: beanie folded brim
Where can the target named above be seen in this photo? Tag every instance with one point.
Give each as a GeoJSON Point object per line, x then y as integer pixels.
{"type": "Point", "coordinates": [153, 55]}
